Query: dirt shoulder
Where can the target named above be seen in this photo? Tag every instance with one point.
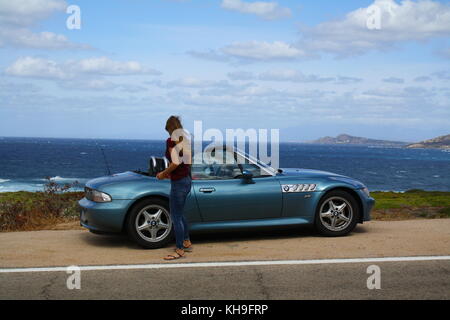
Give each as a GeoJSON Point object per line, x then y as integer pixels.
{"type": "Point", "coordinates": [373, 239]}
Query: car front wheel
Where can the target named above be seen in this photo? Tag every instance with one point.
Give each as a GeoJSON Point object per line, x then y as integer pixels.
{"type": "Point", "coordinates": [337, 214]}
{"type": "Point", "coordinates": [149, 223]}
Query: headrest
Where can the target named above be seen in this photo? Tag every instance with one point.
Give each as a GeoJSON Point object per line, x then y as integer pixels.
{"type": "Point", "coordinates": [156, 165]}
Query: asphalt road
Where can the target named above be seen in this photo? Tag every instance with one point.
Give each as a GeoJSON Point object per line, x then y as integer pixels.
{"type": "Point", "coordinates": [398, 280]}
{"type": "Point", "coordinates": [150, 277]}
{"type": "Point", "coordinates": [373, 239]}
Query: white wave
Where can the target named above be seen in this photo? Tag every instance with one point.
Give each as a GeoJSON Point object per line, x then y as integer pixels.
{"type": "Point", "coordinates": [59, 179]}
{"type": "Point", "coordinates": [4, 180]}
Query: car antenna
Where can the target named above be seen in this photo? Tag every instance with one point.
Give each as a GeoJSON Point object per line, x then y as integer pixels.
{"type": "Point", "coordinates": [104, 159]}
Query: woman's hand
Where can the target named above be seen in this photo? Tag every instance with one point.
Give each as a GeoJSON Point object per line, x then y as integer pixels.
{"type": "Point", "coordinates": [166, 173]}
{"type": "Point", "coordinates": [162, 175]}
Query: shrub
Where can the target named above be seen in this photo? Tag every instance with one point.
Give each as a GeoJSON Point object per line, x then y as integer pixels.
{"type": "Point", "coordinates": [38, 210]}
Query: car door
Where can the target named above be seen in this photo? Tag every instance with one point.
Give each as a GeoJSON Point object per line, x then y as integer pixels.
{"type": "Point", "coordinates": [222, 195]}
{"type": "Point", "coordinates": [191, 210]}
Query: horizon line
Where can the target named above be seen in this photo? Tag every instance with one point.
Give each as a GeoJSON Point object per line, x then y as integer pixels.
{"type": "Point", "coordinates": [162, 139]}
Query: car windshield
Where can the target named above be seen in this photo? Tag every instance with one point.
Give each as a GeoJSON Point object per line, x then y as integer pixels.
{"type": "Point", "coordinates": [232, 162]}
{"type": "Point", "coordinates": [256, 161]}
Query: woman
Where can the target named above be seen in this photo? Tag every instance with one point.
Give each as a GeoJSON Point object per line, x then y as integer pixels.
{"type": "Point", "coordinates": [179, 172]}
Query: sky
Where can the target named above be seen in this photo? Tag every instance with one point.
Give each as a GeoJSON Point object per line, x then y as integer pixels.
{"type": "Point", "coordinates": [378, 69]}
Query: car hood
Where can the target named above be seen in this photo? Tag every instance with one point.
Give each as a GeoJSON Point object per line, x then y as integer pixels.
{"type": "Point", "coordinates": [318, 174]}
{"type": "Point", "coordinates": [102, 182]}
{"type": "Point", "coordinates": [307, 173]}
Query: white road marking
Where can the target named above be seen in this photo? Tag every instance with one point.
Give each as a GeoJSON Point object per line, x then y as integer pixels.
{"type": "Point", "coordinates": [227, 264]}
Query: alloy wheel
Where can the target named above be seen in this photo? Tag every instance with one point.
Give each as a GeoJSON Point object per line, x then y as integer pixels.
{"type": "Point", "coordinates": [153, 223]}
{"type": "Point", "coordinates": [336, 214]}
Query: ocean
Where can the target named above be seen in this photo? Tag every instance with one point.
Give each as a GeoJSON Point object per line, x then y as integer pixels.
{"type": "Point", "coordinates": [26, 162]}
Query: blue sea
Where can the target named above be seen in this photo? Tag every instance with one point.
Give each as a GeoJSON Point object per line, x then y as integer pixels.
{"type": "Point", "coordinates": [25, 162]}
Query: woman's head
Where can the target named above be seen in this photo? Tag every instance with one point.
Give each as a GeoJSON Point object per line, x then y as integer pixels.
{"type": "Point", "coordinates": [172, 124]}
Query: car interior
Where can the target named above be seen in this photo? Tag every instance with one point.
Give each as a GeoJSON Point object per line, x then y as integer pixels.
{"type": "Point", "coordinates": [210, 169]}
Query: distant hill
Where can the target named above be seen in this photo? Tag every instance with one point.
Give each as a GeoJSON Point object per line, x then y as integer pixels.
{"type": "Point", "coordinates": [442, 142]}
{"type": "Point", "coordinates": [348, 139]}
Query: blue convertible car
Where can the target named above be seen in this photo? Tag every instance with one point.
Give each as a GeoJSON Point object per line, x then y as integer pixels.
{"type": "Point", "coordinates": [244, 194]}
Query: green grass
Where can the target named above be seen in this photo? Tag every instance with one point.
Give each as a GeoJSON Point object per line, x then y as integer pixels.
{"type": "Point", "coordinates": [412, 204]}
{"type": "Point", "coordinates": [29, 198]}
{"type": "Point", "coordinates": [412, 198]}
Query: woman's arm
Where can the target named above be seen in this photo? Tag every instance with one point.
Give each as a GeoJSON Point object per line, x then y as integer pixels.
{"type": "Point", "coordinates": [166, 173]}
{"type": "Point", "coordinates": [176, 159]}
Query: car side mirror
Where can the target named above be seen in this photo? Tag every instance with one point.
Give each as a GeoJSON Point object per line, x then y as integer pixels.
{"type": "Point", "coordinates": [247, 176]}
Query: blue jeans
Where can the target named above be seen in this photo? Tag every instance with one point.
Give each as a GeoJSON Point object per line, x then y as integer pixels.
{"type": "Point", "coordinates": [178, 193]}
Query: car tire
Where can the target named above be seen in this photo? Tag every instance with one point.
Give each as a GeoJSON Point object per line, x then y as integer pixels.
{"type": "Point", "coordinates": [145, 227]}
{"type": "Point", "coordinates": [336, 214]}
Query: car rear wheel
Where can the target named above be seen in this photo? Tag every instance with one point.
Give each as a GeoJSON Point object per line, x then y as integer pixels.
{"type": "Point", "coordinates": [149, 223]}
{"type": "Point", "coordinates": [337, 214]}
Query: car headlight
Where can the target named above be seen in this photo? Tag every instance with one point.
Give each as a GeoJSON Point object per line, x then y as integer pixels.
{"type": "Point", "coordinates": [96, 196]}
{"type": "Point", "coordinates": [366, 191]}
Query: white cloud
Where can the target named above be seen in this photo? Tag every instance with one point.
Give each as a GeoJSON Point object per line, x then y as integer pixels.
{"type": "Point", "coordinates": [101, 85]}
{"type": "Point", "coordinates": [265, 10]}
{"type": "Point", "coordinates": [291, 75]}
{"type": "Point", "coordinates": [262, 50]}
{"type": "Point", "coordinates": [211, 55]}
{"type": "Point", "coordinates": [27, 12]}
{"type": "Point", "coordinates": [106, 66]}
{"type": "Point", "coordinates": [400, 22]}
{"type": "Point", "coordinates": [85, 74]}
{"type": "Point", "coordinates": [191, 82]}
{"type": "Point", "coordinates": [22, 37]}
{"type": "Point", "coordinates": [33, 67]}
{"type": "Point", "coordinates": [18, 16]}
{"type": "Point", "coordinates": [252, 51]}
{"type": "Point", "coordinates": [403, 93]}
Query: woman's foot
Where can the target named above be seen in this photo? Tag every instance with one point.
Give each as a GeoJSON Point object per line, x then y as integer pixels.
{"type": "Point", "coordinates": [187, 244]}
{"type": "Point", "coordinates": [179, 253]}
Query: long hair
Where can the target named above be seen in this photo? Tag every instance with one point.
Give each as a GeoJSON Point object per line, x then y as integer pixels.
{"type": "Point", "coordinates": [175, 129]}
{"type": "Point", "coordinates": [173, 123]}
{"type": "Point", "coordinates": [181, 138]}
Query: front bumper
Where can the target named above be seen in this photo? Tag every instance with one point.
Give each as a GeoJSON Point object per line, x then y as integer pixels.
{"type": "Point", "coordinates": [103, 217]}
{"type": "Point", "coordinates": [367, 205]}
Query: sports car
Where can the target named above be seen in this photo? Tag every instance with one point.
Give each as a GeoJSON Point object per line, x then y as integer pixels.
{"type": "Point", "coordinates": [244, 193]}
